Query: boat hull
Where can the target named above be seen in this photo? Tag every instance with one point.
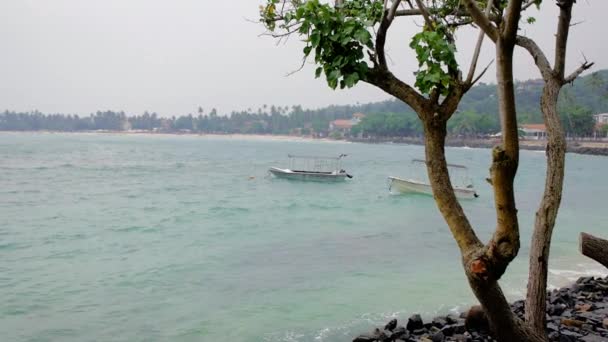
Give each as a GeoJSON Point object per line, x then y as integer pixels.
{"type": "Point", "coordinates": [410, 186]}
{"type": "Point", "coordinates": [308, 176]}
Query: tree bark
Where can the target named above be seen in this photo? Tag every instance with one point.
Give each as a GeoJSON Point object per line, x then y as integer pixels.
{"type": "Point", "coordinates": [594, 248]}
{"type": "Point", "coordinates": [506, 326]}
{"type": "Point", "coordinates": [536, 305]}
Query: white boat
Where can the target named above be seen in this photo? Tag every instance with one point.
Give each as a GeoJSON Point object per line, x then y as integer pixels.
{"type": "Point", "coordinates": [312, 168]}
{"type": "Point", "coordinates": [405, 186]}
{"type": "Point", "coordinates": [412, 186]}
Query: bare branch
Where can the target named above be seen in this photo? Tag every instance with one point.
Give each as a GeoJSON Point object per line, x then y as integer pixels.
{"type": "Point", "coordinates": [537, 54]}
{"type": "Point", "coordinates": [382, 78]}
{"type": "Point", "coordinates": [586, 65]}
{"type": "Point", "coordinates": [481, 74]}
{"type": "Point", "coordinates": [393, 9]}
{"type": "Point", "coordinates": [478, 47]}
{"type": "Point", "coordinates": [385, 24]}
{"type": "Point", "coordinates": [298, 69]}
{"type": "Point", "coordinates": [481, 19]}
{"type": "Point", "coordinates": [408, 12]}
{"type": "Point", "coordinates": [425, 13]}
{"type": "Point", "coordinates": [512, 16]}
{"type": "Point", "coordinates": [561, 38]}
{"type": "Point", "coordinates": [528, 5]}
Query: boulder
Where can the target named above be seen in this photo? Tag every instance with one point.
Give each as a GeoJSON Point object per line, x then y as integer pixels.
{"type": "Point", "coordinates": [439, 322]}
{"type": "Point", "coordinates": [399, 332]}
{"type": "Point", "coordinates": [476, 319]}
{"type": "Point", "coordinates": [391, 325]}
{"type": "Point", "coordinates": [438, 337]}
{"type": "Point", "coordinates": [572, 323]}
{"type": "Point", "coordinates": [414, 323]}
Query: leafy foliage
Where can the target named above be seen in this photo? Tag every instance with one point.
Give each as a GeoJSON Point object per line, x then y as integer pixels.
{"type": "Point", "coordinates": [477, 115]}
{"type": "Point", "coordinates": [339, 36]}
{"type": "Point", "coordinates": [435, 53]}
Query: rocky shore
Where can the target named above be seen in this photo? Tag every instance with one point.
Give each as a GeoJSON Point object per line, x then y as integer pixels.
{"type": "Point", "coordinates": [575, 313]}
{"type": "Point", "coordinates": [580, 147]}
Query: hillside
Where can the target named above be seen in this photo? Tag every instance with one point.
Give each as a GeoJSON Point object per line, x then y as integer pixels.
{"type": "Point", "coordinates": [477, 115]}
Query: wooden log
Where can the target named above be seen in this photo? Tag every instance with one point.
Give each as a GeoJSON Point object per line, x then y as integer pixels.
{"type": "Point", "coordinates": [594, 248]}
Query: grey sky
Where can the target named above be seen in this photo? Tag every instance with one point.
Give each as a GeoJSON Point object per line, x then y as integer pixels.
{"type": "Point", "coordinates": [170, 56]}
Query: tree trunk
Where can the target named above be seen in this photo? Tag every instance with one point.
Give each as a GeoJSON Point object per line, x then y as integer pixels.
{"type": "Point", "coordinates": [536, 305]}
{"type": "Point", "coordinates": [594, 248]}
{"type": "Point", "coordinates": [506, 326]}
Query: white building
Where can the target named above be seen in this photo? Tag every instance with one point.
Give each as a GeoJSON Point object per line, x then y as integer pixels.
{"type": "Point", "coordinates": [601, 119]}
{"type": "Point", "coordinates": [534, 131]}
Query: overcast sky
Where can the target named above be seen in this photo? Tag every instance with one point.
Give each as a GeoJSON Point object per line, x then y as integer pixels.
{"type": "Point", "coordinates": [171, 56]}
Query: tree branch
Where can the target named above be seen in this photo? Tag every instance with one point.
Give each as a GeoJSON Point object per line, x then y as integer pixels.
{"type": "Point", "coordinates": [425, 13]}
{"type": "Point", "coordinates": [586, 65]}
{"type": "Point", "coordinates": [481, 74]}
{"type": "Point", "coordinates": [537, 54]}
{"type": "Point", "coordinates": [512, 16]}
{"type": "Point", "coordinates": [594, 248]}
{"type": "Point", "coordinates": [561, 38]}
{"type": "Point", "coordinates": [481, 19]}
{"type": "Point", "coordinates": [382, 78]}
{"type": "Point", "coordinates": [443, 192]}
{"type": "Point", "coordinates": [478, 48]}
{"type": "Point", "coordinates": [385, 24]}
{"type": "Point", "coordinates": [393, 9]}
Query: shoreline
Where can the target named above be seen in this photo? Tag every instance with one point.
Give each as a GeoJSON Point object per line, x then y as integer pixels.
{"type": "Point", "coordinates": [596, 148]}
{"type": "Point", "coordinates": [574, 313]}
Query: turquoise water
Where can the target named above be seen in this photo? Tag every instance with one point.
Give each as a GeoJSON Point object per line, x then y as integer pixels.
{"type": "Point", "coordinates": [169, 238]}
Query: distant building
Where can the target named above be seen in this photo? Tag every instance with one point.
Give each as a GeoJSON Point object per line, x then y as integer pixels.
{"type": "Point", "coordinates": [344, 125]}
{"type": "Point", "coordinates": [359, 116]}
{"type": "Point", "coordinates": [534, 131]}
{"type": "Point", "coordinates": [601, 119]}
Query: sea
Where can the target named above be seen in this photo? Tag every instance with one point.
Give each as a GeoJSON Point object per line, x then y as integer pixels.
{"type": "Point", "coordinates": [110, 237]}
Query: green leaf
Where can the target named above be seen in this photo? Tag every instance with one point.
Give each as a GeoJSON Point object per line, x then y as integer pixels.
{"type": "Point", "coordinates": [318, 72]}
{"type": "Point", "coordinates": [363, 36]}
{"type": "Point", "coordinates": [351, 79]}
{"type": "Point", "coordinates": [307, 50]}
{"type": "Point", "coordinates": [315, 38]}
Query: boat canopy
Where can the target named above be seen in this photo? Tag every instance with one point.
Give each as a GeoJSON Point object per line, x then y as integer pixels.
{"type": "Point", "coordinates": [449, 165]}
{"type": "Point", "coordinates": [315, 163]}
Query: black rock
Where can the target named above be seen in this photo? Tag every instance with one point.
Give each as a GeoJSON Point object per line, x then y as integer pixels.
{"type": "Point", "coordinates": [439, 322]}
{"type": "Point", "coordinates": [476, 319]}
{"type": "Point", "coordinates": [365, 338]}
{"type": "Point", "coordinates": [593, 338]}
{"type": "Point", "coordinates": [552, 326]}
{"type": "Point", "coordinates": [451, 319]}
{"type": "Point", "coordinates": [448, 330]}
{"type": "Point", "coordinates": [438, 337]}
{"type": "Point", "coordinates": [553, 336]}
{"type": "Point", "coordinates": [570, 333]}
{"type": "Point", "coordinates": [414, 323]}
{"type": "Point", "coordinates": [399, 332]}
{"type": "Point", "coordinates": [391, 325]}
{"type": "Point", "coordinates": [556, 309]}
{"type": "Point", "coordinates": [419, 332]}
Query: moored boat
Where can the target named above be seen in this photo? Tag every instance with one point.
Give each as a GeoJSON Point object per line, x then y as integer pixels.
{"type": "Point", "coordinates": [464, 190]}
{"type": "Point", "coordinates": [312, 168]}
{"type": "Point", "coordinates": [412, 186]}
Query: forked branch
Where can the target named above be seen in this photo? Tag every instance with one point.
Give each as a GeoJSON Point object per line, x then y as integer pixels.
{"type": "Point", "coordinates": [481, 19]}
{"type": "Point", "coordinates": [477, 49]}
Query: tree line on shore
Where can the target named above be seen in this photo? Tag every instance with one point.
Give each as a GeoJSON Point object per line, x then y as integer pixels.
{"type": "Point", "coordinates": [391, 118]}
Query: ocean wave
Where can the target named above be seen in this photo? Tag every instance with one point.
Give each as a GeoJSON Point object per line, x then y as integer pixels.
{"type": "Point", "coordinates": [562, 277]}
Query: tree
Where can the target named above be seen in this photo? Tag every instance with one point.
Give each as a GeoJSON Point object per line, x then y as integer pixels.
{"type": "Point", "coordinates": [554, 78]}
{"type": "Point", "coordinates": [340, 36]}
